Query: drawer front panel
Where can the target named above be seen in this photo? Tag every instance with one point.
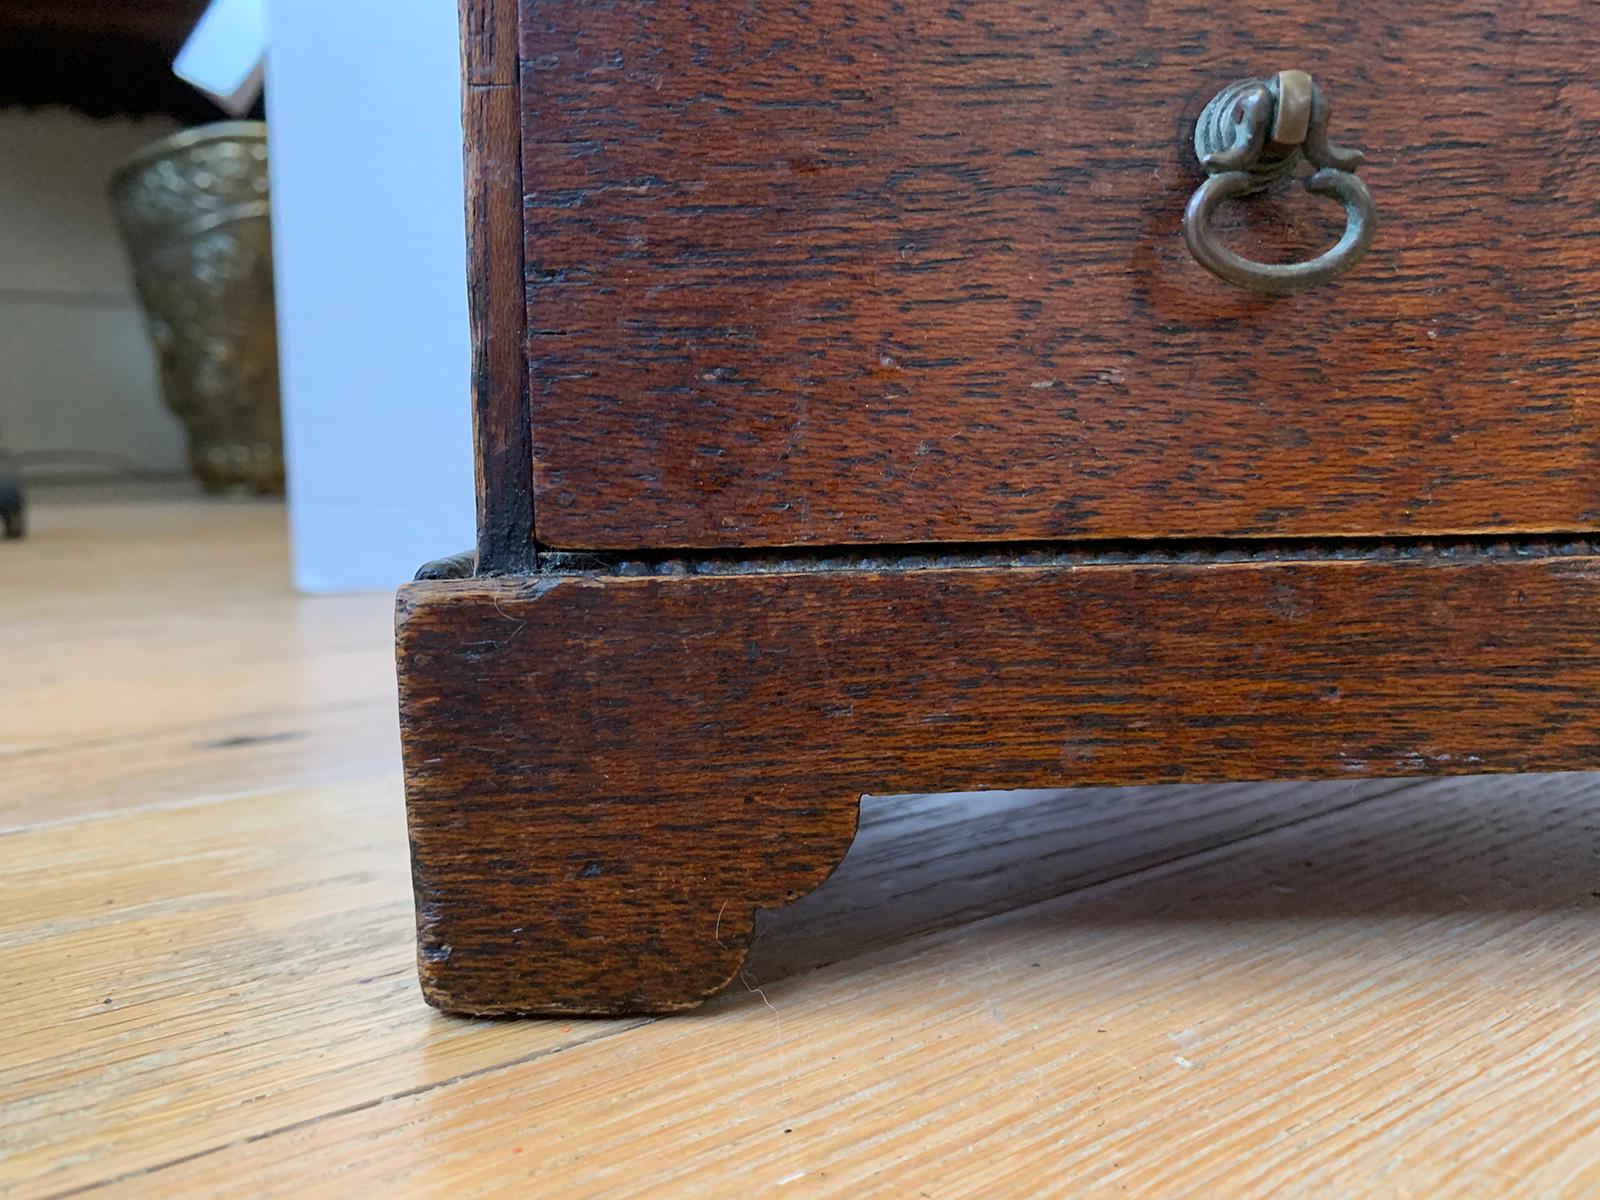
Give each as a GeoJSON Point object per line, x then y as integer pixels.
{"type": "Point", "coordinates": [822, 273]}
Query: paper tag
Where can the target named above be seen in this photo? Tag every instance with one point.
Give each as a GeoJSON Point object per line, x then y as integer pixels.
{"type": "Point", "coordinates": [224, 53]}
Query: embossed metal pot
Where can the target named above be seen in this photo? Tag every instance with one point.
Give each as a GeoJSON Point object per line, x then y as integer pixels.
{"type": "Point", "coordinates": [194, 212]}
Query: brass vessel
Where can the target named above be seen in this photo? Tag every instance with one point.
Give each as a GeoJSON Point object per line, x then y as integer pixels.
{"type": "Point", "coordinates": [194, 211]}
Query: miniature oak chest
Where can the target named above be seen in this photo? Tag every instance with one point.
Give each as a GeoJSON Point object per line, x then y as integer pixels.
{"type": "Point", "coordinates": [968, 394]}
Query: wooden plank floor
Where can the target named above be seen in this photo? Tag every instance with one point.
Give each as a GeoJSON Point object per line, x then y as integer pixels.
{"type": "Point", "coordinates": [1253, 991]}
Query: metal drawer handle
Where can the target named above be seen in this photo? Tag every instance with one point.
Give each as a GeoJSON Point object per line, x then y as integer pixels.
{"type": "Point", "coordinates": [1252, 134]}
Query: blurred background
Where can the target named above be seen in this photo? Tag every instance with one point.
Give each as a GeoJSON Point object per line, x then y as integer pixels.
{"type": "Point", "coordinates": [232, 266]}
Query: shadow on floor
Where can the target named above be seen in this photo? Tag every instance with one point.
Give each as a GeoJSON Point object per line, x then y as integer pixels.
{"type": "Point", "coordinates": [1095, 857]}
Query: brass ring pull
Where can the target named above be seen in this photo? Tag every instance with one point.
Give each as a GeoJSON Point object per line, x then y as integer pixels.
{"type": "Point", "coordinates": [1252, 134]}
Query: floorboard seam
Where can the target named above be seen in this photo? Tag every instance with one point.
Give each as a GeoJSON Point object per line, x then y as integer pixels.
{"type": "Point", "coordinates": [347, 1110]}
{"type": "Point", "coordinates": [630, 1026]}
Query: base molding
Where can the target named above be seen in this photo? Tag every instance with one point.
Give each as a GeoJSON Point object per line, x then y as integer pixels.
{"type": "Point", "coordinates": [607, 774]}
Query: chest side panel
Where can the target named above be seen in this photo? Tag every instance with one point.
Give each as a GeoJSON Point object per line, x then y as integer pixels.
{"type": "Point", "coordinates": [819, 273]}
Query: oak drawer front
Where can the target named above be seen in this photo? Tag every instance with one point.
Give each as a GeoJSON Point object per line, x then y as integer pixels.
{"type": "Point", "coordinates": [832, 273]}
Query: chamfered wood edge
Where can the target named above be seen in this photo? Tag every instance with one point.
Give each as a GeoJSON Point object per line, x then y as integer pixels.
{"type": "Point", "coordinates": [491, 118]}
{"type": "Point", "coordinates": [607, 775]}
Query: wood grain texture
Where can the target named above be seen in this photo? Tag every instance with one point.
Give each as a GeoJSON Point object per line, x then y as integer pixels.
{"type": "Point", "coordinates": [490, 120]}
{"type": "Point", "coordinates": [208, 981]}
{"type": "Point", "coordinates": [828, 273]}
{"type": "Point", "coordinates": [1396, 999]}
{"type": "Point", "coordinates": [607, 775]}
{"type": "Point", "coordinates": [107, 679]}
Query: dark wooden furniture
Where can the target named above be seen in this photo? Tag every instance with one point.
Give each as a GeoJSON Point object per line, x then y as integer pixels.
{"type": "Point", "coordinates": [13, 503]}
{"type": "Point", "coordinates": [106, 58]}
{"type": "Point", "coordinates": [851, 416]}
